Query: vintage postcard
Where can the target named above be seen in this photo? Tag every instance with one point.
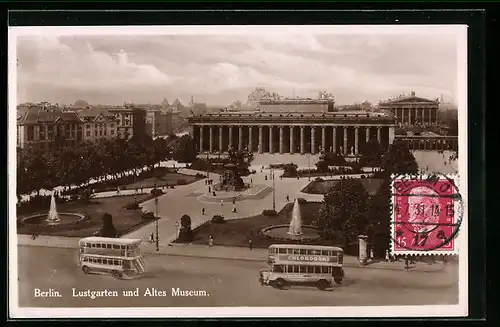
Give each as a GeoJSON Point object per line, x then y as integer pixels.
{"type": "Point", "coordinates": [238, 171]}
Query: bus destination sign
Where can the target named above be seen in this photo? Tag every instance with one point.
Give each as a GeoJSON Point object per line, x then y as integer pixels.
{"type": "Point", "coordinates": [307, 258]}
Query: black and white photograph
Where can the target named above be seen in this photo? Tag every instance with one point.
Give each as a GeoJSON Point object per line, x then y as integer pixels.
{"type": "Point", "coordinates": [238, 171]}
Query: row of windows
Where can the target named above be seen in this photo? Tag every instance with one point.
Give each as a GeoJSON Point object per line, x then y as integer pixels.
{"type": "Point", "coordinates": [100, 133]}
{"type": "Point", "coordinates": [298, 269]}
{"type": "Point", "coordinates": [105, 246]}
{"type": "Point", "coordinates": [302, 251]}
{"type": "Point", "coordinates": [100, 126]}
{"type": "Point", "coordinates": [103, 261]}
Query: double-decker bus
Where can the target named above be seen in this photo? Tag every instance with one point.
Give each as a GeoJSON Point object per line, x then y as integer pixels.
{"type": "Point", "coordinates": [303, 264]}
{"type": "Point", "coordinates": [116, 256]}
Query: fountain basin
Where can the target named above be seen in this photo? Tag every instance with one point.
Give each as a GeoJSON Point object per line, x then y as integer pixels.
{"type": "Point", "coordinates": [280, 233]}
{"type": "Point", "coordinates": [65, 218]}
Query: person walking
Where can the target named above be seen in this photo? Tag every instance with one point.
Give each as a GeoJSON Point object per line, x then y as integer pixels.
{"type": "Point", "coordinates": [202, 211]}
{"type": "Point", "coordinates": [371, 254]}
{"type": "Point", "coordinates": [407, 265]}
{"type": "Point", "coordinates": [250, 244]}
{"type": "Point", "coordinates": [209, 189]}
{"type": "Point", "coordinates": [234, 200]}
{"type": "Point", "coordinates": [210, 241]}
{"type": "Point", "coordinates": [221, 203]}
{"type": "Point", "coordinates": [151, 238]}
{"type": "Point", "coordinates": [386, 255]}
{"type": "Point", "coordinates": [287, 198]}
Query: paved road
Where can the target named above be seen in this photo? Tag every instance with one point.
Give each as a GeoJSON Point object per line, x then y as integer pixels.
{"type": "Point", "coordinates": [227, 283]}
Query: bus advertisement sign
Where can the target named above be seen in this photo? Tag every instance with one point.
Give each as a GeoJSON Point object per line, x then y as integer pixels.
{"type": "Point", "coordinates": [306, 258]}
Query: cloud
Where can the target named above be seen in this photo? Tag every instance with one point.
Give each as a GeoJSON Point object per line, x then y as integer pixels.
{"type": "Point", "coordinates": [149, 68]}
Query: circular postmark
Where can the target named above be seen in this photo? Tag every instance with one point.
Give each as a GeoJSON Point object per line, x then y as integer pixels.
{"type": "Point", "coordinates": [427, 211]}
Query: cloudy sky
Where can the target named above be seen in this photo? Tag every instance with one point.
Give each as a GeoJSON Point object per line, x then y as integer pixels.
{"type": "Point", "coordinates": [219, 69]}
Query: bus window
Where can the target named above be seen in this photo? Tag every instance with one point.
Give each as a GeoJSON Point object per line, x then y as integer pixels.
{"type": "Point", "coordinates": [98, 245]}
{"type": "Point", "coordinates": [92, 245]}
{"type": "Point", "coordinates": [302, 251]}
{"type": "Point", "coordinates": [282, 251]}
{"type": "Point", "coordinates": [302, 269]}
{"type": "Point", "coordinates": [317, 269]}
{"type": "Point", "coordinates": [116, 247]}
{"type": "Point", "coordinates": [324, 270]}
{"type": "Point", "coordinates": [310, 269]}
{"type": "Point", "coordinates": [278, 269]}
{"type": "Point", "coordinates": [324, 252]}
{"type": "Point", "coordinates": [108, 246]}
{"type": "Point", "coordinates": [295, 251]}
{"type": "Point", "coordinates": [99, 261]}
{"type": "Point", "coordinates": [88, 245]}
{"type": "Point", "coordinates": [126, 264]}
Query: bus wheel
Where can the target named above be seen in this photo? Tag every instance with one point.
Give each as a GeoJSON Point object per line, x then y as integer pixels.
{"type": "Point", "coordinates": [338, 281]}
{"type": "Point", "coordinates": [116, 274]}
{"type": "Point", "coordinates": [85, 269]}
{"type": "Point", "coordinates": [280, 283]}
{"type": "Point", "coordinates": [322, 284]}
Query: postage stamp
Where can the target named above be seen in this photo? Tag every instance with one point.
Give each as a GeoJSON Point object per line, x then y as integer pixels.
{"type": "Point", "coordinates": [426, 214]}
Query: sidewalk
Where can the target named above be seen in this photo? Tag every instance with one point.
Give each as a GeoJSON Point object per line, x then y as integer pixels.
{"type": "Point", "coordinates": [218, 252]}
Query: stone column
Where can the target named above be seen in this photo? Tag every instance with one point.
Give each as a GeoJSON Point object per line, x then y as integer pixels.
{"type": "Point", "coordinates": [240, 138]}
{"type": "Point", "coordinates": [313, 139]}
{"type": "Point", "coordinates": [430, 116]}
{"type": "Point", "coordinates": [261, 145]}
{"type": "Point", "coordinates": [356, 140]}
{"type": "Point", "coordinates": [201, 139]}
{"type": "Point", "coordinates": [323, 138]}
{"type": "Point", "coordinates": [220, 140]}
{"type": "Point", "coordinates": [367, 133]}
{"type": "Point", "coordinates": [271, 150]}
{"type": "Point", "coordinates": [416, 115]}
{"type": "Point", "coordinates": [211, 141]}
{"type": "Point", "coordinates": [334, 144]}
{"type": "Point", "coordinates": [281, 139]}
{"type": "Point", "coordinates": [378, 135]}
{"type": "Point", "coordinates": [230, 143]}
{"type": "Point", "coordinates": [391, 134]}
{"type": "Point", "coordinates": [292, 145]}
{"type": "Point", "coordinates": [302, 140]}
{"type": "Point", "coordinates": [346, 151]}
{"type": "Point", "coordinates": [409, 116]}
{"type": "Point", "coordinates": [250, 138]}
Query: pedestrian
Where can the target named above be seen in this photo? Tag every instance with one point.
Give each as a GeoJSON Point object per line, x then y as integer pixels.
{"type": "Point", "coordinates": [407, 266]}
{"type": "Point", "coordinates": [151, 238]}
{"type": "Point", "coordinates": [251, 181]}
{"type": "Point", "coordinates": [221, 203]}
{"type": "Point", "coordinates": [213, 193]}
{"type": "Point", "coordinates": [287, 198]}
{"type": "Point", "coordinates": [265, 177]}
{"type": "Point", "coordinates": [118, 190]}
{"type": "Point", "coordinates": [234, 200]}
{"type": "Point", "coordinates": [203, 211]}
{"type": "Point", "coordinates": [234, 208]}
{"type": "Point", "coordinates": [210, 241]}
{"type": "Point", "coordinates": [209, 190]}
{"type": "Point", "coordinates": [386, 255]}
{"type": "Point", "coordinates": [371, 254]}
{"type": "Point", "coordinates": [250, 244]}
{"type": "Point", "coordinates": [281, 177]}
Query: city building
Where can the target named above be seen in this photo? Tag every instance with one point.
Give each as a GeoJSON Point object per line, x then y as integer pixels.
{"type": "Point", "coordinates": [429, 142]}
{"type": "Point", "coordinates": [131, 121]}
{"type": "Point", "coordinates": [47, 126]}
{"type": "Point", "coordinates": [158, 122]}
{"type": "Point", "coordinates": [98, 123]}
{"type": "Point", "coordinates": [412, 110]}
{"type": "Point", "coordinates": [292, 132]}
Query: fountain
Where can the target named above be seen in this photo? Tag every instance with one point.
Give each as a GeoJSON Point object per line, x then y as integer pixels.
{"type": "Point", "coordinates": [294, 231]}
{"type": "Point", "coordinates": [296, 222]}
{"type": "Point", "coordinates": [53, 216]}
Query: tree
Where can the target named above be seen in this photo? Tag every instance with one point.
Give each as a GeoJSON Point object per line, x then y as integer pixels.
{"type": "Point", "coordinates": [107, 229]}
{"type": "Point", "coordinates": [399, 160]}
{"type": "Point", "coordinates": [379, 228]}
{"type": "Point", "coordinates": [343, 214]}
{"type": "Point", "coordinates": [185, 233]}
{"type": "Point", "coordinates": [334, 159]}
{"type": "Point", "coordinates": [371, 154]}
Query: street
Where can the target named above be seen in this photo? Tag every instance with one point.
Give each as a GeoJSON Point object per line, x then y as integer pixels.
{"type": "Point", "coordinates": [225, 283]}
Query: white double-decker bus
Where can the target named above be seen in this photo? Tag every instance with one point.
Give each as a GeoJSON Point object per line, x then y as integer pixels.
{"type": "Point", "coordinates": [116, 256]}
{"type": "Point", "coordinates": [303, 264]}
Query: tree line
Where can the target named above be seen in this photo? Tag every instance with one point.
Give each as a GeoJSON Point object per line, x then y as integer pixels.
{"type": "Point", "coordinates": [63, 165]}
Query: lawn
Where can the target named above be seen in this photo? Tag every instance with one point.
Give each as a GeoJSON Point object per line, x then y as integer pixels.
{"type": "Point", "coordinates": [237, 232]}
{"type": "Point", "coordinates": [124, 220]}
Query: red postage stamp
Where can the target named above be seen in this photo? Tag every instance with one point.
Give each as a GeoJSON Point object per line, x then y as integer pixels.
{"type": "Point", "coordinates": [426, 214]}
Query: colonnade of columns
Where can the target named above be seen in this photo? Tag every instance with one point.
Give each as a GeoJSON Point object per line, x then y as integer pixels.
{"type": "Point", "coordinates": [449, 144]}
{"type": "Point", "coordinates": [345, 139]}
{"type": "Point", "coordinates": [413, 115]}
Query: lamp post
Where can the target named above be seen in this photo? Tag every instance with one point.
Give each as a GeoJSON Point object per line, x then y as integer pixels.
{"type": "Point", "coordinates": [274, 190]}
{"type": "Point", "coordinates": [157, 218]}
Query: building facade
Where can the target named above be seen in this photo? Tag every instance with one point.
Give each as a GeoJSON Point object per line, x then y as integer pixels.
{"type": "Point", "coordinates": [412, 110]}
{"type": "Point", "coordinates": [305, 132]}
{"type": "Point", "coordinates": [45, 129]}
{"type": "Point", "coordinates": [429, 143]}
{"type": "Point", "coordinates": [296, 105]}
{"type": "Point", "coordinates": [158, 122]}
{"type": "Point", "coordinates": [98, 124]}
{"type": "Point", "coordinates": [131, 121]}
